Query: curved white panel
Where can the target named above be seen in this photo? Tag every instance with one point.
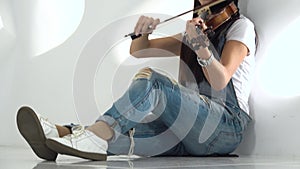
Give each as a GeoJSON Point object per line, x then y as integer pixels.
{"type": "Point", "coordinates": [54, 22]}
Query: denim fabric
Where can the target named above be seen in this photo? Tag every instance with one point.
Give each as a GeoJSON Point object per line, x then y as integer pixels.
{"type": "Point", "coordinates": [184, 123]}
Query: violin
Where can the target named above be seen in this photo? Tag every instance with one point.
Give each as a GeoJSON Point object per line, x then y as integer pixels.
{"type": "Point", "coordinates": [218, 19]}
{"type": "Point", "coordinates": [212, 20]}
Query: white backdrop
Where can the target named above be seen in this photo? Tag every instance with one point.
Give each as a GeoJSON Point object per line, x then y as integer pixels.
{"type": "Point", "coordinates": [42, 42]}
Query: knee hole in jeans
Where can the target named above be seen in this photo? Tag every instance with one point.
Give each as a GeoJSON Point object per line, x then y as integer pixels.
{"type": "Point", "coordinates": [144, 73]}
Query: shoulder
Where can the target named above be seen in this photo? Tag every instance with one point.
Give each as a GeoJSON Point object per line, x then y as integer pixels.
{"type": "Point", "coordinates": [243, 30]}
{"type": "Point", "coordinates": [243, 21]}
{"type": "Point", "coordinates": [241, 26]}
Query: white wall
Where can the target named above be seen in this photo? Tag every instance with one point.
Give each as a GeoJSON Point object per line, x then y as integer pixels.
{"type": "Point", "coordinates": [276, 94]}
{"type": "Point", "coordinates": [75, 63]}
{"type": "Point", "coordinates": [40, 66]}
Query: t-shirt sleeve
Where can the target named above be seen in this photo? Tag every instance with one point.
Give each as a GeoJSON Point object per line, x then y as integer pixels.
{"type": "Point", "coordinates": [243, 31]}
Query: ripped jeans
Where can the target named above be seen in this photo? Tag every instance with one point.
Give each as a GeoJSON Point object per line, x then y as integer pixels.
{"type": "Point", "coordinates": [171, 120]}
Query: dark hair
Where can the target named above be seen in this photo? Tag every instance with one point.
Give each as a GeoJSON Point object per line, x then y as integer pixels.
{"type": "Point", "coordinates": [235, 1]}
{"type": "Point", "coordinates": [197, 3]}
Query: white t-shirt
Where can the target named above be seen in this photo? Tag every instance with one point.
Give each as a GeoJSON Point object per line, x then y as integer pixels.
{"type": "Point", "coordinates": [243, 31]}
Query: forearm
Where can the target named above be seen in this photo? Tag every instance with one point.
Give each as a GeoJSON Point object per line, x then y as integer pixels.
{"type": "Point", "coordinates": [139, 44]}
{"type": "Point", "coordinates": [142, 47]}
{"type": "Point", "coordinates": [215, 72]}
{"type": "Point", "coordinates": [160, 47]}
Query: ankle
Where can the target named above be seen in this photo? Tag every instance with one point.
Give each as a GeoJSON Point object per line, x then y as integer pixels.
{"type": "Point", "coordinates": [102, 130]}
{"type": "Point", "coordinates": [62, 131]}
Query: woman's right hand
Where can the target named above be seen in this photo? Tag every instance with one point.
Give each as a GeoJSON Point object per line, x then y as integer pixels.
{"type": "Point", "coordinates": [145, 25]}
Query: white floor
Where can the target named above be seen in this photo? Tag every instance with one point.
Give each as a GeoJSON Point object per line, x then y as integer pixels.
{"type": "Point", "coordinates": [23, 158]}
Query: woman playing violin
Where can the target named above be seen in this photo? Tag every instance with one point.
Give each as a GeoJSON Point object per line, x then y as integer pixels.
{"type": "Point", "coordinates": [204, 113]}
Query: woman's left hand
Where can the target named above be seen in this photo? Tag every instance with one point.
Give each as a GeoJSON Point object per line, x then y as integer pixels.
{"type": "Point", "coordinates": [195, 35]}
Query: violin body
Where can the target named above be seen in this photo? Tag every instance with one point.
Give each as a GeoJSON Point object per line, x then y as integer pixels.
{"type": "Point", "coordinates": [215, 20]}
{"type": "Point", "coordinates": [218, 19]}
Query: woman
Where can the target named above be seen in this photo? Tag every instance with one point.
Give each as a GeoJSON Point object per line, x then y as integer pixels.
{"type": "Point", "coordinates": [204, 114]}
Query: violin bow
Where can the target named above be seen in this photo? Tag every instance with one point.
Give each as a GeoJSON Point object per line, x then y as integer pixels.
{"type": "Point", "coordinates": [196, 9]}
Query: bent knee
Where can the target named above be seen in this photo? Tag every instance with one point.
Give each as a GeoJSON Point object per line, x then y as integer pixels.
{"type": "Point", "coordinates": [144, 73]}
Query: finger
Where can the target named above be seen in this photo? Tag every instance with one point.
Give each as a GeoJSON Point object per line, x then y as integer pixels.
{"type": "Point", "coordinates": [202, 24]}
{"type": "Point", "coordinates": [193, 31]}
{"type": "Point", "coordinates": [139, 25]}
{"type": "Point", "coordinates": [197, 20]}
{"type": "Point", "coordinates": [155, 23]}
{"type": "Point", "coordinates": [190, 25]}
{"type": "Point", "coordinates": [190, 29]}
{"type": "Point", "coordinates": [147, 26]}
{"type": "Point", "coordinates": [191, 22]}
